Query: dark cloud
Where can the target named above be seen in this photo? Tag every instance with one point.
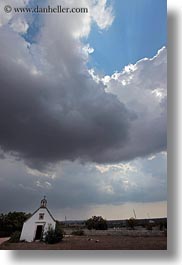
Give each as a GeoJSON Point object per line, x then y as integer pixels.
{"type": "Point", "coordinates": [52, 110]}
{"type": "Point", "coordinates": [45, 120]}
{"type": "Point", "coordinates": [77, 185]}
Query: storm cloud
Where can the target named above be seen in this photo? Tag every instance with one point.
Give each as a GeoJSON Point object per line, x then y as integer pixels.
{"type": "Point", "coordinates": [45, 120]}
{"type": "Point", "coordinates": [52, 108]}
{"type": "Point", "coordinates": [81, 185]}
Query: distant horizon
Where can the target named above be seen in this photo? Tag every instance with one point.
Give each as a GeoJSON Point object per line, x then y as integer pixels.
{"type": "Point", "coordinates": [127, 210]}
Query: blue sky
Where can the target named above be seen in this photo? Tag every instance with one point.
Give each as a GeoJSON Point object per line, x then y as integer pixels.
{"type": "Point", "coordinates": [138, 31]}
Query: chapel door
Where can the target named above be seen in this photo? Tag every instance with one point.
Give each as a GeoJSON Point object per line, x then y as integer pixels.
{"type": "Point", "coordinates": [39, 232]}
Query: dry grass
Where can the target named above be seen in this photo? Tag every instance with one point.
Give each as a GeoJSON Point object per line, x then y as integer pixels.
{"type": "Point", "coordinates": [95, 243]}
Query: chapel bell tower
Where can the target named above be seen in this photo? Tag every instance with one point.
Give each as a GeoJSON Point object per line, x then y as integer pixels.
{"type": "Point", "coordinates": [43, 202]}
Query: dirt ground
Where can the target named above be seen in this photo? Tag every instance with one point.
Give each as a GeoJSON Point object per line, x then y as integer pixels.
{"type": "Point", "coordinates": [3, 239]}
{"type": "Point", "coordinates": [95, 243]}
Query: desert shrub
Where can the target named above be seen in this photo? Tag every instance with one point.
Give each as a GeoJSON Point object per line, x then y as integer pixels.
{"type": "Point", "coordinates": [131, 223]}
{"type": "Point", "coordinates": [96, 222]}
{"type": "Point", "coordinates": [149, 227]}
{"type": "Point", "coordinates": [78, 233]}
{"type": "Point", "coordinates": [59, 232]}
{"type": "Point", "coordinates": [15, 237]}
{"type": "Point", "coordinates": [161, 226]}
{"type": "Point", "coordinates": [53, 236]}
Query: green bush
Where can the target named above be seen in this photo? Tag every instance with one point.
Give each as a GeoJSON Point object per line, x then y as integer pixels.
{"type": "Point", "coordinates": [11, 222]}
{"type": "Point", "coordinates": [96, 222]}
{"type": "Point", "coordinates": [78, 233]}
{"type": "Point", "coordinates": [53, 236]}
{"type": "Point", "coordinates": [15, 237]}
{"type": "Point", "coordinates": [161, 226]}
{"type": "Point", "coordinates": [131, 223]}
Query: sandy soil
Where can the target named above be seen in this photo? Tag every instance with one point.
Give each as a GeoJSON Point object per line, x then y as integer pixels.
{"type": "Point", "coordinates": [95, 243]}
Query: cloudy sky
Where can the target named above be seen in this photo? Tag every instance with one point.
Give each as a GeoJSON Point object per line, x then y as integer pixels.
{"type": "Point", "coordinates": [83, 102]}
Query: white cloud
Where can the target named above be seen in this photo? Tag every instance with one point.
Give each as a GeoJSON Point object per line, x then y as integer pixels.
{"type": "Point", "coordinates": [94, 76]}
{"type": "Point", "coordinates": [80, 24]}
{"type": "Point", "coordinates": [143, 89]}
{"type": "Point", "coordinates": [102, 14]}
{"type": "Point", "coordinates": [152, 157]}
{"type": "Point", "coordinates": [19, 25]}
{"type": "Point", "coordinates": [123, 168]}
{"type": "Point", "coordinates": [35, 172]}
{"type": "Point", "coordinates": [5, 18]}
{"type": "Point", "coordinates": [160, 93]}
{"type": "Point", "coordinates": [87, 49]}
{"type": "Point", "coordinates": [45, 185]}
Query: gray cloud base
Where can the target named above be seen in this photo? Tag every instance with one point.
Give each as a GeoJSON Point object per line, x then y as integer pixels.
{"type": "Point", "coordinates": [45, 120]}
{"type": "Point", "coordinates": [77, 185]}
{"type": "Point", "coordinates": [66, 116]}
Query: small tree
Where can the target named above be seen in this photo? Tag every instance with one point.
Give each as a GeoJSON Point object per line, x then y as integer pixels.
{"type": "Point", "coordinates": [96, 222]}
{"type": "Point", "coordinates": [11, 222]}
{"type": "Point", "coordinates": [131, 223]}
{"type": "Point", "coordinates": [53, 236]}
{"type": "Point", "coordinates": [15, 237]}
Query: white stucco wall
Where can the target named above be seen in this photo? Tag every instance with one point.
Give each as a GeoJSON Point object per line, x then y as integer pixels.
{"type": "Point", "coordinates": [30, 226]}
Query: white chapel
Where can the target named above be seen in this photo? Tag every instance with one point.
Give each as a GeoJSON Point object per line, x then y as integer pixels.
{"type": "Point", "coordinates": [38, 223]}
